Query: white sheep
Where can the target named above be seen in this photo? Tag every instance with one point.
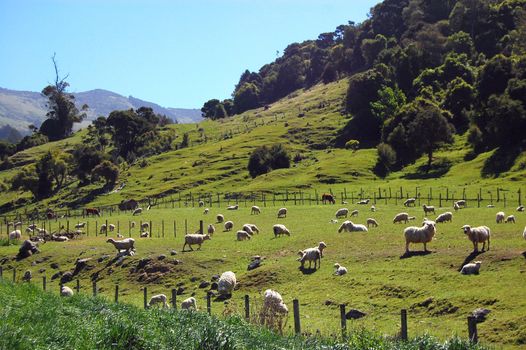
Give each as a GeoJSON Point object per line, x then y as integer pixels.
{"type": "Point", "coordinates": [343, 212]}
{"type": "Point", "coordinates": [80, 225]}
{"type": "Point", "coordinates": [103, 228]}
{"type": "Point", "coordinates": [229, 225]}
{"type": "Point", "coordinates": [250, 228]}
{"type": "Point", "coordinates": [220, 218]}
{"type": "Point", "coordinates": [510, 218]}
{"type": "Point", "coordinates": [490, 206]}
{"type": "Point", "coordinates": [206, 211]}
{"type": "Point", "coordinates": [461, 203]}
{"type": "Point", "coordinates": [232, 207]}
{"type": "Point", "coordinates": [444, 217]}
{"type": "Point", "coordinates": [282, 213]}
{"type": "Point", "coordinates": [364, 202]}
{"type": "Point", "coordinates": [372, 222]}
{"type": "Point", "coordinates": [273, 304]}
{"type": "Point", "coordinates": [211, 229]}
{"type": "Point", "coordinates": [312, 254]}
{"type": "Point", "coordinates": [60, 238]}
{"type": "Point", "coordinates": [227, 282]}
{"type": "Point", "coordinates": [158, 299]}
{"type": "Point", "coordinates": [144, 234]}
{"type": "Point", "coordinates": [349, 226]}
{"type": "Point", "coordinates": [137, 211]}
{"type": "Point", "coordinates": [66, 291]}
{"type": "Point", "coordinates": [471, 269]}
{"type": "Point", "coordinates": [422, 234]}
{"type": "Point", "coordinates": [192, 239]}
{"type": "Point", "coordinates": [111, 227]}
{"type": "Point", "coordinates": [255, 210]}
{"type": "Point", "coordinates": [189, 304]}
{"type": "Point", "coordinates": [373, 208]}
{"type": "Point", "coordinates": [409, 201]}
{"type": "Point", "coordinates": [340, 270]}
{"type": "Point", "coordinates": [520, 208]}
{"type": "Point", "coordinates": [401, 217]}
{"type": "Point", "coordinates": [145, 226]}
{"type": "Point", "coordinates": [354, 213]}
{"type": "Point", "coordinates": [456, 206]}
{"type": "Point", "coordinates": [125, 244]}
{"type": "Point", "coordinates": [15, 234]}
{"type": "Point", "coordinates": [428, 209]}
{"type": "Point", "coordinates": [500, 217]}
{"type": "Point", "coordinates": [477, 235]}
{"type": "Point", "coordinates": [279, 230]}
{"type": "Point", "coordinates": [201, 204]}
{"type": "Point", "coordinates": [243, 235]}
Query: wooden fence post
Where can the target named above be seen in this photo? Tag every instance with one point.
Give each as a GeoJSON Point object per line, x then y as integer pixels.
{"type": "Point", "coordinates": [162, 225]}
{"type": "Point", "coordinates": [78, 286]}
{"type": "Point", "coordinates": [247, 307]}
{"type": "Point", "coordinates": [175, 230]}
{"type": "Point", "coordinates": [208, 303]}
{"type": "Point", "coordinates": [116, 293]}
{"type": "Point", "coordinates": [14, 275]}
{"type": "Point", "coordinates": [174, 299]}
{"type": "Point", "coordinates": [472, 329]}
{"type": "Point", "coordinates": [44, 283]}
{"type": "Point", "coordinates": [297, 325]}
{"type": "Point", "coordinates": [201, 230]}
{"type": "Point", "coordinates": [107, 228]}
{"type": "Point", "coordinates": [145, 292]}
{"type": "Point", "coordinates": [185, 226]}
{"type": "Point", "coordinates": [151, 229]}
{"type": "Point", "coordinates": [403, 324]}
{"type": "Point", "coordinates": [94, 288]}
{"type": "Point", "coordinates": [1, 272]}
{"type": "Point", "coordinates": [343, 320]}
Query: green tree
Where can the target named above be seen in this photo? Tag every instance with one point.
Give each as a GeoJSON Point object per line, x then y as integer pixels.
{"type": "Point", "coordinates": [108, 171]}
{"type": "Point", "coordinates": [247, 97]}
{"type": "Point", "coordinates": [85, 159]}
{"type": "Point", "coordinates": [209, 108]}
{"type": "Point", "coordinates": [264, 159]}
{"type": "Point", "coordinates": [494, 76]}
{"type": "Point", "coordinates": [388, 104]}
{"type": "Point", "coordinates": [459, 99]}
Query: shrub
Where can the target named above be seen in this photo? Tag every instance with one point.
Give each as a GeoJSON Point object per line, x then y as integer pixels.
{"type": "Point", "coordinates": [264, 160]}
{"type": "Point", "coordinates": [352, 145]}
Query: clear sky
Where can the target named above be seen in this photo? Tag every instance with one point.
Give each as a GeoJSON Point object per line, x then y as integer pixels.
{"type": "Point", "coordinates": [174, 53]}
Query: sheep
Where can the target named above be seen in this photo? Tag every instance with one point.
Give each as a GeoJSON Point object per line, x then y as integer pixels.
{"type": "Point", "coordinates": [343, 212]}
{"type": "Point", "coordinates": [144, 234]}
{"type": "Point", "coordinates": [409, 201]}
{"type": "Point", "coordinates": [60, 238]}
{"type": "Point", "coordinates": [524, 233]}
{"type": "Point", "coordinates": [16, 234]}
{"type": "Point", "coordinates": [16, 224]}
{"type": "Point", "coordinates": [520, 208]}
{"type": "Point", "coordinates": [251, 228]}
{"type": "Point", "coordinates": [373, 208]}
{"type": "Point", "coordinates": [447, 216]}
{"type": "Point", "coordinates": [137, 211]}
{"type": "Point", "coordinates": [119, 235]}
{"type": "Point", "coordinates": [371, 221]}
{"type": "Point", "coordinates": [103, 228]}
{"type": "Point", "coordinates": [211, 229]}
{"type": "Point", "coordinates": [229, 225]}
{"type": "Point", "coordinates": [189, 304]}
{"type": "Point", "coordinates": [273, 304]}
{"type": "Point", "coordinates": [145, 226]}
{"type": "Point", "coordinates": [510, 218]}
{"type": "Point", "coordinates": [32, 227]}
{"type": "Point", "coordinates": [206, 211]}
{"type": "Point", "coordinates": [220, 218]}
{"type": "Point", "coordinates": [227, 282]}
{"type": "Point", "coordinates": [282, 213]}
{"type": "Point", "coordinates": [125, 244]}
{"type": "Point", "coordinates": [29, 230]}
{"type": "Point", "coordinates": [500, 217]}
{"type": "Point", "coordinates": [255, 210]}
{"type": "Point", "coordinates": [422, 234]}
{"type": "Point", "coordinates": [158, 299]}
{"type": "Point", "coordinates": [428, 209]}
{"type": "Point", "coordinates": [132, 224]}
{"type": "Point", "coordinates": [279, 230]}
{"type": "Point", "coordinates": [364, 202]}
{"type": "Point", "coordinates": [201, 204]}
{"type": "Point", "coordinates": [340, 270]}
{"type": "Point", "coordinates": [471, 269]}
{"type": "Point", "coordinates": [232, 207]}
{"type": "Point", "coordinates": [42, 231]}
{"type": "Point", "coordinates": [461, 203]}
{"type": "Point", "coordinates": [66, 291]}
{"type": "Point", "coordinates": [354, 213]}
{"type": "Point", "coordinates": [111, 227]}
{"type": "Point", "coordinates": [312, 254]}
{"type": "Point", "coordinates": [401, 217]}
{"type": "Point", "coordinates": [456, 206]}
{"type": "Point", "coordinates": [349, 226]}
{"type": "Point", "coordinates": [80, 225]}
{"type": "Point", "coordinates": [242, 235]}
{"type": "Point", "coordinates": [490, 206]}
{"type": "Point", "coordinates": [193, 239]}
{"type": "Point", "coordinates": [476, 235]}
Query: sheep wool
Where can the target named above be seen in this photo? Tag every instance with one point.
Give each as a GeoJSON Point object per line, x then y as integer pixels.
{"type": "Point", "coordinates": [471, 269]}
{"type": "Point", "coordinates": [189, 304]}
{"type": "Point", "coordinates": [227, 282]}
{"type": "Point", "coordinates": [422, 234]}
{"type": "Point", "coordinates": [243, 235]}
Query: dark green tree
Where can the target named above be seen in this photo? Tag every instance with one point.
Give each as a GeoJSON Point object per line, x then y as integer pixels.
{"type": "Point", "coordinates": [107, 171]}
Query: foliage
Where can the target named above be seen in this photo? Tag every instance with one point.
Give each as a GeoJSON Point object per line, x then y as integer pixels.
{"type": "Point", "coordinates": [108, 171]}
{"type": "Point", "coordinates": [85, 159]}
{"type": "Point", "coordinates": [36, 139]}
{"type": "Point", "coordinates": [352, 145]}
{"type": "Point", "coordinates": [264, 159]}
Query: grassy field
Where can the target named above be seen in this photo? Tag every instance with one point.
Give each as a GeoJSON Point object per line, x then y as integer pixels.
{"type": "Point", "coordinates": [379, 282]}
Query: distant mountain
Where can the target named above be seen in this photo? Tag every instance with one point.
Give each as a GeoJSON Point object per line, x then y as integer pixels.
{"type": "Point", "coordinates": [21, 108]}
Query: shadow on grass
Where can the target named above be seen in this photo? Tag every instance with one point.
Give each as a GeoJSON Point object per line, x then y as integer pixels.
{"type": "Point", "coordinates": [524, 254]}
{"type": "Point", "coordinates": [307, 271]}
{"type": "Point", "coordinates": [470, 258]}
{"type": "Point", "coordinates": [415, 253]}
{"type": "Point", "coordinates": [89, 197]}
{"type": "Point", "coordinates": [500, 161]}
{"type": "Point", "coordinates": [437, 169]}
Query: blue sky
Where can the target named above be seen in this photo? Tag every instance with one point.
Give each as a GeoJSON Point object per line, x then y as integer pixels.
{"type": "Point", "coordinates": [174, 53]}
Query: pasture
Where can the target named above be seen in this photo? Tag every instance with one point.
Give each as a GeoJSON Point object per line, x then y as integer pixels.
{"type": "Point", "coordinates": [379, 282]}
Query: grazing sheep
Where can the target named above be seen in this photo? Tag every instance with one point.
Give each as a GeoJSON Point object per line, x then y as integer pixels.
{"type": "Point", "coordinates": [520, 208]}
{"type": "Point", "coordinates": [422, 234]}
{"type": "Point", "coordinates": [59, 238]}
{"type": "Point", "coordinates": [232, 207]}
{"type": "Point", "coordinates": [371, 221]}
{"type": "Point", "coordinates": [456, 206]}
{"type": "Point", "coordinates": [137, 211]}
{"type": "Point", "coordinates": [490, 206]}
{"type": "Point", "coordinates": [255, 210]}
{"type": "Point", "coordinates": [158, 299]}
{"type": "Point", "coordinates": [66, 291]}
{"type": "Point", "coordinates": [29, 230]}
{"type": "Point", "coordinates": [401, 217]}
{"type": "Point", "coordinates": [312, 254]}
{"type": "Point", "coordinates": [428, 209]}
{"type": "Point", "coordinates": [343, 212]}
{"type": "Point", "coordinates": [279, 230]}
{"type": "Point", "coordinates": [354, 213]}
{"type": "Point", "coordinates": [229, 225]}
{"type": "Point", "coordinates": [364, 202]}
{"type": "Point", "coordinates": [144, 234]}
{"type": "Point", "coordinates": [16, 234]}
{"type": "Point", "coordinates": [273, 305]}
{"type": "Point", "coordinates": [444, 217]}
{"type": "Point", "coordinates": [111, 227]}
{"type": "Point", "coordinates": [282, 213]}
{"type": "Point", "coordinates": [220, 218]}
{"type": "Point", "coordinates": [461, 203]}
{"type": "Point", "coordinates": [500, 217]}
{"type": "Point", "coordinates": [211, 229]}
{"type": "Point", "coordinates": [103, 228]}
{"type": "Point", "coordinates": [409, 201]}
{"type": "Point", "coordinates": [145, 226]}
{"type": "Point", "coordinates": [476, 235]}
{"type": "Point", "coordinates": [348, 226]}
{"type": "Point", "coordinates": [193, 239]}
{"type": "Point", "coordinates": [189, 304]}
{"type": "Point", "coordinates": [227, 282]}
{"type": "Point", "coordinates": [32, 227]}
{"type": "Point", "coordinates": [251, 228]}
{"type": "Point", "coordinates": [373, 208]}
{"type": "Point", "coordinates": [243, 235]}
{"type": "Point", "coordinates": [201, 204]}
{"type": "Point", "coordinates": [510, 218]}
{"type": "Point", "coordinates": [80, 225]}
{"type": "Point", "coordinates": [125, 244]}
{"type": "Point", "coordinates": [340, 270]}
{"type": "Point", "coordinates": [471, 269]}
{"type": "Point", "coordinates": [206, 211]}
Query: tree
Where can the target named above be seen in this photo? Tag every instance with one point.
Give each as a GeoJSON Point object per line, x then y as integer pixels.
{"type": "Point", "coordinates": [459, 99]}
{"type": "Point", "coordinates": [108, 171]}
{"type": "Point", "coordinates": [494, 76]}
{"type": "Point", "coordinates": [85, 159]}
{"type": "Point", "coordinates": [247, 97]}
{"type": "Point", "coordinates": [264, 159]}
{"type": "Point", "coordinates": [209, 108]}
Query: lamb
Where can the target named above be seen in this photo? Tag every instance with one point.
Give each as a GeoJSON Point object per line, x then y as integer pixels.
{"type": "Point", "coordinates": [273, 305]}
{"type": "Point", "coordinates": [16, 234]}
{"type": "Point", "coordinates": [193, 239]}
{"type": "Point", "coordinates": [340, 270]}
{"type": "Point", "coordinates": [476, 235]}
{"type": "Point", "coordinates": [444, 217]}
{"type": "Point", "coordinates": [189, 304]}
{"type": "Point", "coordinates": [364, 202]}
{"type": "Point", "coordinates": [111, 227]}
{"type": "Point", "coordinates": [349, 226]}
{"type": "Point", "coordinates": [229, 225]}
{"type": "Point", "coordinates": [279, 230]}
{"type": "Point", "coordinates": [137, 211]}
{"type": "Point", "coordinates": [500, 217]}
{"type": "Point", "coordinates": [282, 213]}
{"type": "Point", "coordinates": [103, 228]}
{"type": "Point", "coordinates": [461, 203]}
{"type": "Point", "coordinates": [490, 206]}
{"type": "Point", "coordinates": [145, 226]}
{"type": "Point", "coordinates": [255, 210]}
{"type": "Point", "coordinates": [243, 235]}
{"type": "Point", "coordinates": [201, 204]}
{"type": "Point", "coordinates": [428, 209]}
{"type": "Point", "coordinates": [66, 291]}
{"type": "Point", "coordinates": [144, 234]}
{"type": "Point", "coordinates": [227, 282]}
{"type": "Point", "coordinates": [206, 211]}
{"type": "Point", "coordinates": [80, 225]}
{"type": "Point", "coordinates": [520, 208]}
{"type": "Point", "coordinates": [410, 201]}
{"type": "Point", "coordinates": [158, 299]}
{"type": "Point", "coordinates": [232, 207]}
{"type": "Point", "coordinates": [211, 229]}
{"type": "Point", "coordinates": [422, 234]}
{"type": "Point", "coordinates": [251, 228]}
{"type": "Point", "coordinates": [371, 221]}
{"type": "Point", "coordinates": [456, 206]}
{"type": "Point", "coordinates": [510, 218]}
{"type": "Point", "coordinates": [373, 208]}
{"type": "Point", "coordinates": [354, 213]}
{"type": "Point", "coordinates": [343, 212]}
{"type": "Point", "coordinates": [471, 269]}
{"type": "Point", "coordinates": [125, 244]}
{"type": "Point", "coordinates": [220, 218]}
{"type": "Point", "coordinates": [401, 217]}
{"type": "Point", "coordinates": [312, 254]}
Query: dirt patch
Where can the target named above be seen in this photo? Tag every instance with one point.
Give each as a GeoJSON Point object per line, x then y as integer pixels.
{"type": "Point", "coordinates": [394, 291]}
{"type": "Point", "coordinates": [260, 279]}
{"type": "Point", "coordinates": [435, 307]}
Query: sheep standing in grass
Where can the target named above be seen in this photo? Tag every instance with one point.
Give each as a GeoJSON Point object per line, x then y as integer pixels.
{"type": "Point", "coordinates": [103, 228]}
{"type": "Point", "coordinates": [145, 226]}
{"type": "Point", "coordinates": [422, 234]}
{"type": "Point", "coordinates": [279, 230]}
{"type": "Point", "coordinates": [354, 213]}
{"type": "Point", "coordinates": [66, 291]}
{"type": "Point", "coordinates": [251, 228]}
{"type": "Point", "coordinates": [373, 208]}
{"type": "Point", "coordinates": [125, 244]}
{"type": "Point", "coordinates": [193, 239]}
{"type": "Point", "coordinates": [477, 235]}
{"type": "Point", "coordinates": [206, 211]}
{"type": "Point", "coordinates": [340, 270]}
{"type": "Point", "coordinates": [15, 234]}
{"type": "Point", "coordinates": [189, 304]}
{"type": "Point", "coordinates": [428, 209]}
{"type": "Point", "coordinates": [158, 299]}
{"type": "Point", "coordinates": [312, 254]}
{"type": "Point", "coordinates": [510, 219]}
{"type": "Point", "coordinates": [243, 235]}
{"type": "Point", "coordinates": [232, 207]}
{"type": "Point", "coordinates": [401, 217]}
{"type": "Point", "coordinates": [456, 206]}
{"type": "Point", "coordinates": [227, 282]}
{"type": "Point", "coordinates": [273, 306]}
{"type": "Point", "coordinates": [363, 202]}
{"type": "Point", "coordinates": [500, 217]}
{"type": "Point", "coordinates": [229, 225]}
{"type": "Point", "coordinates": [461, 203]}
{"type": "Point", "coordinates": [80, 225]}
{"type": "Point", "coordinates": [372, 222]}
{"type": "Point", "coordinates": [220, 218]}
{"type": "Point", "coordinates": [349, 226]}
{"type": "Point", "coordinates": [211, 229]}
{"type": "Point", "coordinates": [137, 211]}
{"type": "Point", "coordinates": [255, 210]}
{"type": "Point", "coordinates": [111, 227]}
{"type": "Point", "coordinates": [409, 202]}
{"type": "Point", "coordinates": [444, 217]}
{"type": "Point", "coordinates": [282, 213]}
{"type": "Point", "coordinates": [520, 208]}
{"type": "Point", "coordinates": [471, 269]}
{"type": "Point", "coordinates": [343, 212]}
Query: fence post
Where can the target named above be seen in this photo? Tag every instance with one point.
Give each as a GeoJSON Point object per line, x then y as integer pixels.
{"type": "Point", "coordinates": [343, 320]}
{"type": "Point", "coordinates": [14, 275]}
{"type": "Point", "coordinates": [107, 228]}
{"type": "Point", "coordinates": [519, 196]}
{"type": "Point", "coordinates": [162, 224]}
{"type": "Point", "coordinates": [185, 226]}
{"type": "Point", "coordinates": [175, 230]}
{"type": "Point", "coordinates": [472, 330]}
{"type": "Point", "coordinates": [208, 303]}
{"type": "Point", "coordinates": [201, 231]}
{"type": "Point", "coordinates": [94, 288]}
{"type": "Point", "coordinates": [403, 324]}
{"type": "Point", "coordinates": [116, 293]}
{"type": "Point", "coordinates": [151, 229]}
{"type": "Point", "coordinates": [297, 325]}
{"type": "Point", "coordinates": [78, 286]}
{"type": "Point", "coordinates": [1, 272]}
{"type": "Point", "coordinates": [174, 299]}
{"type": "Point", "coordinates": [145, 292]}
{"type": "Point", "coordinates": [44, 283]}
{"type": "Point", "coordinates": [247, 307]}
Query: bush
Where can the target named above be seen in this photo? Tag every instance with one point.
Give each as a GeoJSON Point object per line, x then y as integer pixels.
{"type": "Point", "coordinates": [352, 145]}
{"type": "Point", "coordinates": [264, 160]}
